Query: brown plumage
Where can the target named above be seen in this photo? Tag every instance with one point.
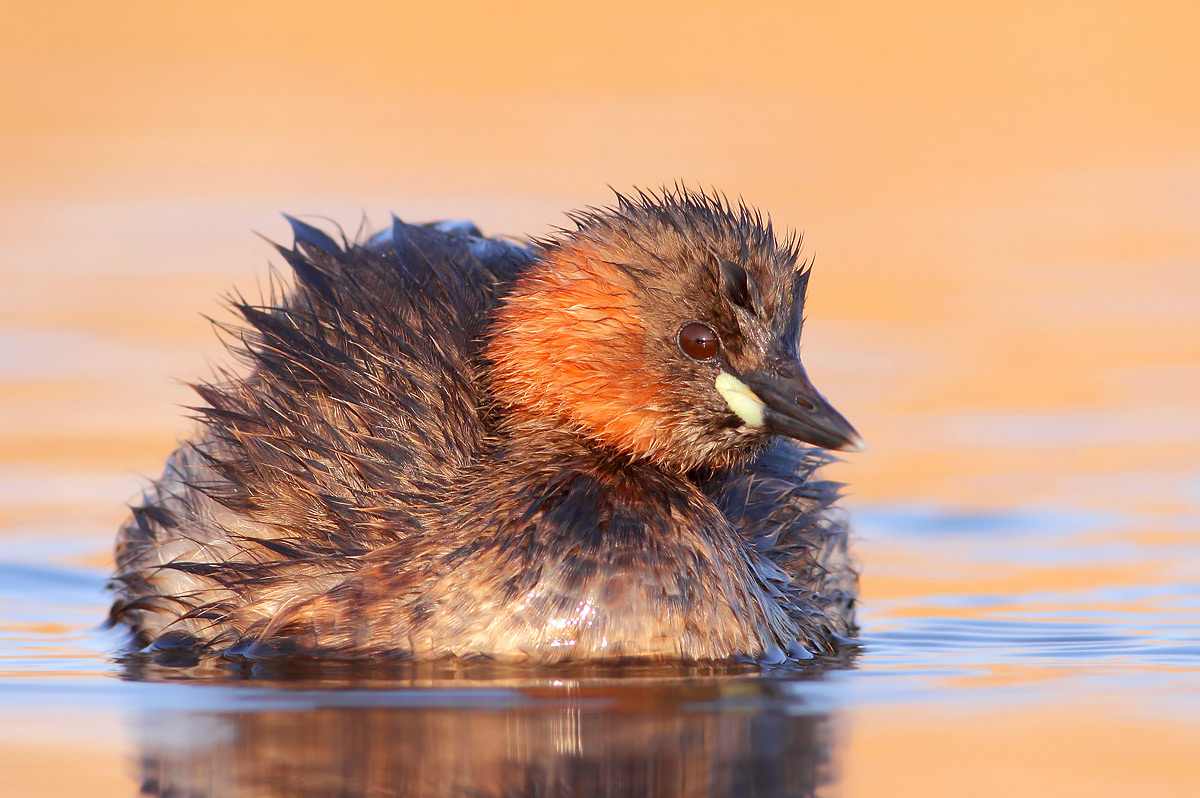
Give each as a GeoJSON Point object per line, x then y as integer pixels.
{"type": "Point", "coordinates": [448, 445]}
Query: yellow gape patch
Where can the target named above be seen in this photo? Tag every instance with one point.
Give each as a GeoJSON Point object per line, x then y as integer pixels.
{"type": "Point", "coordinates": [740, 398]}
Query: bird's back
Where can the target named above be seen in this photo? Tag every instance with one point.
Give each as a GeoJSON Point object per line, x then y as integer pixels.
{"type": "Point", "coordinates": [363, 402]}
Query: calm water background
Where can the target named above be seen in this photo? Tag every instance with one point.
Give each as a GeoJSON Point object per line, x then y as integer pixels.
{"type": "Point", "coordinates": [1004, 203]}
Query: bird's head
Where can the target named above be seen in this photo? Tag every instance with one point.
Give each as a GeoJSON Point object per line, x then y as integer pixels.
{"type": "Point", "coordinates": [666, 327]}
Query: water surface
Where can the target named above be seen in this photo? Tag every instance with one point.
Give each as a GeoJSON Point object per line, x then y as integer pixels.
{"type": "Point", "coordinates": [1004, 207]}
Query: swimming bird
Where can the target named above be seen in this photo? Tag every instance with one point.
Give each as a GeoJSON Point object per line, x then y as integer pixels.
{"type": "Point", "coordinates": [585, 447]}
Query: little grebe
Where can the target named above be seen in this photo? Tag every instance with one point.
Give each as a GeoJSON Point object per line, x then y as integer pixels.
{"type": "Point", "coordinates": [449, 445]}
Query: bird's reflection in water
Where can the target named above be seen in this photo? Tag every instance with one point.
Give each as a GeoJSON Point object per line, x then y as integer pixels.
{"type": "Point", "coordinates": [684, 736]}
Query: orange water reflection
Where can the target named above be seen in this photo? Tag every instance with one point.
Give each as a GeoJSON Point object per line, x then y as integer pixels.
{"type": "Point", "coordinates": [1002, 199]}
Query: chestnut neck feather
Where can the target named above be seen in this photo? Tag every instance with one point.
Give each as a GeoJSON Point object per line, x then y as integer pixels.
{"type": "Point", "coordinates": [568, 345]}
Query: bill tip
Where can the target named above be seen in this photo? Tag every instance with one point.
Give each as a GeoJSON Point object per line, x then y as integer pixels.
{"type": "Point", "coordinates": [854, 443]}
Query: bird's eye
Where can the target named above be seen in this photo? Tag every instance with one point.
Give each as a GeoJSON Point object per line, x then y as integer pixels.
{"type": "Point", "coordinates": [698, 341]}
